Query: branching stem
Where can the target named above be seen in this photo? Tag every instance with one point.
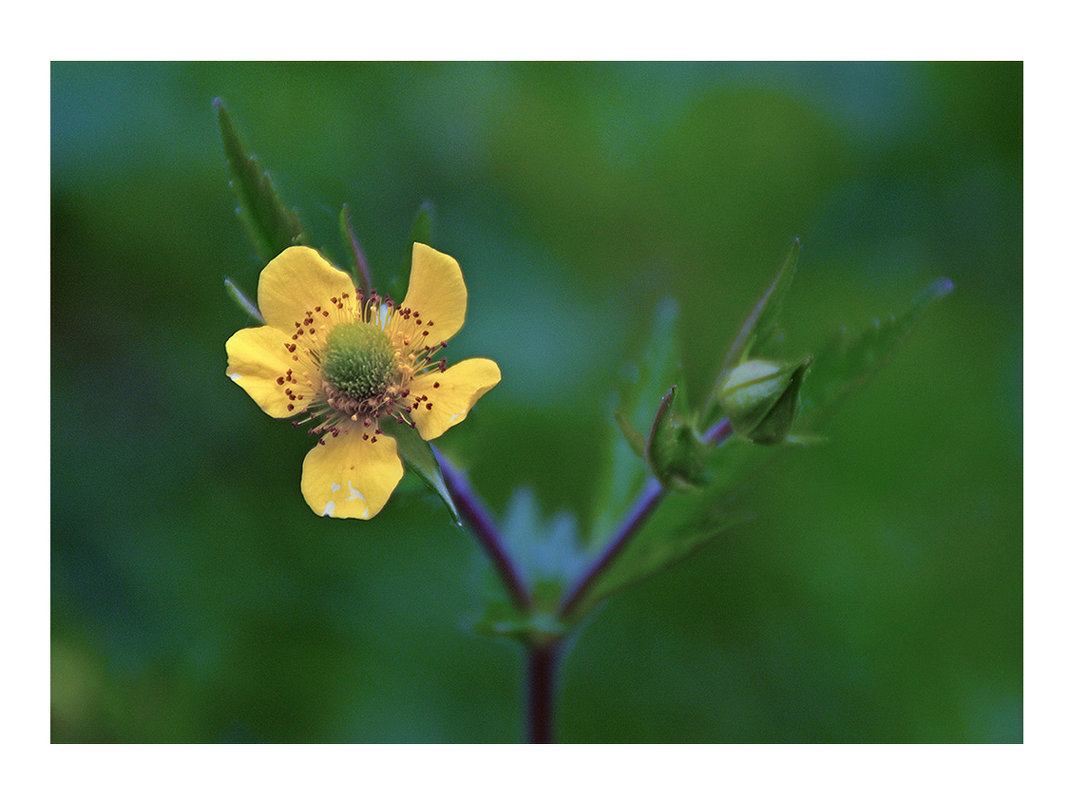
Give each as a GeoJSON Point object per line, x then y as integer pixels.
{"type": "Point", "coordinates": [543, 659]}
{"type": "Point", "coordinates": [648, 500]}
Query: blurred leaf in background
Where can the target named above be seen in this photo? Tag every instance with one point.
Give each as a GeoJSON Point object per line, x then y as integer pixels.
{"type": "Point", "coordinates": [873, 590]}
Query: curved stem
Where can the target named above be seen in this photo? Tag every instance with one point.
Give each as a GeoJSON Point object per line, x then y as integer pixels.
{"type": "Point", "coordinates": [650, 498]}
{"type": "Point", "coordinates": [541, 686]}
{"type": "Point", "coordinates": [483, 527]}
{"type": "Point", "coordinates": [652, 495]}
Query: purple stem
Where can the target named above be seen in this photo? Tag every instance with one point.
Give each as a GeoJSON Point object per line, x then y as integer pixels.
{"type": "Point", "coordinates": [652, 495]}
{"type": "Point", "coordinates": [648, 501]}
{"type": "Point", "coordinates": [718, 433]}
{"type": "Point", "coordinates": [484, 529]}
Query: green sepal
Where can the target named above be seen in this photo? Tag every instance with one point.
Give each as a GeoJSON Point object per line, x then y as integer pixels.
{"type": "Point", "coordinates": [271, 226]}
{"type": "Point", "coordinates": [420, 459]}
{"type": "Point", "coordinates": [242, 301]}
{"type": "Point", "coordinates": [760, 398]}
{"type": "Point", "coordinates": [674, 451]}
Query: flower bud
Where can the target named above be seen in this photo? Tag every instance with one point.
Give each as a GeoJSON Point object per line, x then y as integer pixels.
{"type": "Point", "coordinates": [674, 452]}
{"type": "Point", "coordinates": [760, 398]}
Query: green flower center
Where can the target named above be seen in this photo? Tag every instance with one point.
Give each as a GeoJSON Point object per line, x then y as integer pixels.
{"type": "Point", "coordinates": [358, 360]}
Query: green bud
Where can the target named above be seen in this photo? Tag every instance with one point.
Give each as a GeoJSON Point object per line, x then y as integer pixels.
{"type": "Point", "coordinates": [358, 360]}
{"type": "Point", "coordinates": [674, 451]}
{"type": "Point", "coordinates": [760, 398]}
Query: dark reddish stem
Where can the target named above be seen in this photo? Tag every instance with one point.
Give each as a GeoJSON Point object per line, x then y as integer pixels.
{"type": "Point", "coordinates": [485, 530]}
{"type": "Point", "coordinates": [646, 504]}
{"type": "Point", "coordinates": [541, 686]}
{"type": "Point", "coordinates": [652, 495]}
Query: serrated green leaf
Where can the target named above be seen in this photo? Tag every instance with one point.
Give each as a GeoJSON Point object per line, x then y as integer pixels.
{"type": "Point", "coordinates": [686, 522]}
{"type": "Point", "coordinates": [657, 369]}
{"type": "Point", "coordinates": [271, 226]}
{"type": "Point", "coordinates": [847, 361]}
{"type": "Point", "coordinates": [420, 459]}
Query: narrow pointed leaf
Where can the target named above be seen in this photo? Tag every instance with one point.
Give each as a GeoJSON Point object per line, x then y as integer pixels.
{"type": "Point", "coordinates": [271, 226]}
{"type": "Point", "coordinates": [242, 301]}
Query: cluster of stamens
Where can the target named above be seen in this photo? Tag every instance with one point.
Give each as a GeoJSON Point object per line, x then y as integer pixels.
{"type": "Point", "coordinates": [331, 409]}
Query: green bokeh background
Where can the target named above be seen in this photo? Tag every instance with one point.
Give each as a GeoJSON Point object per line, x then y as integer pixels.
{"type": "Point", "coordinates": [876, 593]}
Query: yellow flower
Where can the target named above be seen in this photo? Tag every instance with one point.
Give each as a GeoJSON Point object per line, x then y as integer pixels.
{"type": "Point", "coordinates": [346, 363]}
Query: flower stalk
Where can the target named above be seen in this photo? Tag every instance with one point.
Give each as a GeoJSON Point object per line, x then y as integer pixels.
{"type": "Point", "coordinates": [484, 529]}
{"type": "Point", "coordinates": [646, 504]}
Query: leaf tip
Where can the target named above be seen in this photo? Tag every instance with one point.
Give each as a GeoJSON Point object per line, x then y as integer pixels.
{"type": "Point", "coordinates": [941, 287]}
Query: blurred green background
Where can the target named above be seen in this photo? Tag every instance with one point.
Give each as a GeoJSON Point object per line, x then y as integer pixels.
{"type": "Point", "coordinates": [874, 596]}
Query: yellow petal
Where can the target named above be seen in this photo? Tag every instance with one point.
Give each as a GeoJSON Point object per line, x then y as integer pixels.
{"type": "Point", "coordinates": [257, 359]}
{"type": "Point", "coordinates": [296, 281]}
{"type": "Point", "coordinates": [349, 476]}
{"type": "Point", "coordinates": [436, 290]}
{"type": "Point", "coordinates": [457, 390]}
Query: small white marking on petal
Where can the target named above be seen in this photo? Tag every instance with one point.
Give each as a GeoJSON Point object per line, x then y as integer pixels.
{"type": "Point", "coordinates": [235, 377]}
{"type": "Point", "coordinates": [335, 487]}
{"type": "Point", "coordinates": [328, 510]}
{"type": "Point", "coordinates": [355, 494]}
